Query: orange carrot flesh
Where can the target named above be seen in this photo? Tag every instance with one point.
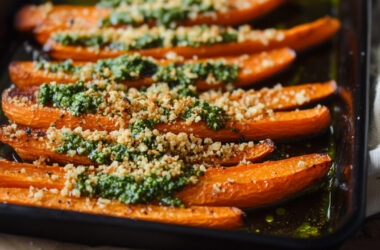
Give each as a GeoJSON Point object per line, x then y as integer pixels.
{"type": "Point", "coordinates": [278, 125]}
{"type": "Point", "coordinates": [242, 186]}
{"type": "Point", "coordinates": [35, 144]}
{"type": "Point", "coordinates": [279, 98]}
{"type": "Point", "coordinates": [24, 175]}
{"type": "Point", "coordinates": [253, 68]}
{"type": "Point", "coordinates": [48, 19]}
{"type": "Point", "coordinates": [298, 38]}
{"type": "Point", "coordinates": [257, 184]}
{"type": "Point", "coordinates": [210, 217]}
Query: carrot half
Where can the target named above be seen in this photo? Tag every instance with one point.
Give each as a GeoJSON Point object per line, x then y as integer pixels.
{"type": "Point", "coordinates": [31, 146]}
{"type": "Point", "coordinates": [253, 68]}
{"type": "Point", "coordinates": [298, 38]}
{"type": "Point", "coordinates": [278, 125]}
{"type": "Point", "coordinates": [279, 98]}
{"type": "Point", "coordinates": [241, 186]}
{"type": "Point", "coordinates": [48, 19]}
{"type": "Point", "coordinates": [210, 217]}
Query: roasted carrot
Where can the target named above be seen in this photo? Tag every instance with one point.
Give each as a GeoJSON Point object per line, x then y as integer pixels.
{"type": "Point", "coordinates": [280, 125]}
{"type": "Point", "coordinates": [298, 38]}
{"type": "Point", "coordinates": [34, 144]}
{"type": "Point", "coordinates": [278, 98]}
{"type": "Point", "coordinates": [277, 125]}
{"type": "Point", "coordinates": [210, 217]}
{"type": "Point", "coordinates": [50, 18]}
{"type": "Point", "coordinates": [253, 68]}
{"type": "Point", "coordinates": [257, 184]}
{"type": "Point", "coordinates": [242, 186]}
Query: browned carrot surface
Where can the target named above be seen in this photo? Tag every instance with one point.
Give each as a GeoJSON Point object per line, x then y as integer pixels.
{"type": "Point", "coordinates": [253, 68]}
{"type": "Point", "coordinates": [31, 146]}
{"type": "Point", "coordinates": [211, 217]}
{"type": "Point", "coordinates": [278, 125]}
{"type": "Point", "coordinates": [61, 17]}
{"type": "Point", "coordinates": [298, 38]}
{"type": "Point", "coordinates": [242, 186]}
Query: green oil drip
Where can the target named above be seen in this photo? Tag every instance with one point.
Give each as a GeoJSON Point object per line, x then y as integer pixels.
{"type": "Point", "coordinates": [306, 231]}
{"type": "Point", "coordinates": [269, 218]}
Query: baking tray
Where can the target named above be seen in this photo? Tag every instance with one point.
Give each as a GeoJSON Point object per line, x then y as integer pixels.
{"type": "Point", "coordinates": [335, 207]}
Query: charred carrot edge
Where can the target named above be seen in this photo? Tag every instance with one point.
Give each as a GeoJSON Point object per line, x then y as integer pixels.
{"type": "Point", "coordinates": [279, 125]}
{"type": "Point", "coordinates": [55, 18]}
{"type": "Point", "coordinates": [210, 217]}
{"type": "Point", "coordinates": [241, 186]}
{"type": "Point", "coordinates": [298, 38]}
{"type": "Point", "coordinates": [35, 144]}
{"type": "Point", "coordinates": [253, 69]}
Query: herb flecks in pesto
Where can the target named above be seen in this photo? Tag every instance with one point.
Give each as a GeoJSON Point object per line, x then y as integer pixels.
{"type": "Point", "coordinates": [215, 117]}
{"type": "Point", "coordinates": [128, 190]}
{"type": "Point", "coordinates": [75, 97]}
{"type": "Point", "coordinates": [141, 109]}
{"type": "Point", "coordinates": [125, 68]}
{"type": "Point", "coordinates": [145, 37]}
{"type": "Point", "coordinates": [102, 152]}
{"type": "Point", "coordinates": [167, 14]}
{"type": "Point", "coordinates": [65, 66]}
{"type": "Point", "coordinates": [135, 67]}
{"type": "Point", "coordinates": [140, 125]}
{"type": "Point", "coordinates": [189, 74]}
{"type": "Point", "coordinates": [115, 3]}
{"type": "Point", "coordinates": [77, 39]}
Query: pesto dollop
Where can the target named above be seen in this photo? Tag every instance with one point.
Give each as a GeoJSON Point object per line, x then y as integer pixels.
{"type": "Point", "coordinates": [134, 67]}
{"type": "Point", "coordinates": [215, 117]}
{"type": "Point", "coordinates": [164, 15]}
{"type": "Point", "coordinates": [115, 3]}
{"type": "Point", "coordinates": [125, 68]}
{"type": "Point", "coordinates": [144, 37]}
{"type": "Point", "coordinates": [128, 190]}
{"type": "Point", "coordinates": [189, 74]}
{"type": "Point", "coordinates": [170, 104]}
{"type": "Point", "coordinates": [102, 152]}
{"type": "Point", "coordinates": [65, 66]}
{"type": "Point", "coordinates": [74, 97]}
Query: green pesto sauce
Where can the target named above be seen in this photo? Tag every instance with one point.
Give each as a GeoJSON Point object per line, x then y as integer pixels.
{"type": "Point", "coordinates": [175, 74]}
{"type": "Point", "coordinates": [215, 117]}
{"type": "Point", "coordinates": [113, 3]}
{"type": "Point", "coordinates": [65, 66]}
{"type": "Point", "coordinates": [79, 99]}
{"type": "Point", "coordinates": [125, 68]}
{"type": "Point", "coordinates": [73, 97]}
{"type": "Point", "coordinates": [134, 67]}
{"type": "Point", "coordinates": [109, 152]}
{"type": "Point", "coordinates": [127, 190]}
{"type": "Point", "coordinates": [163, 16]}
{"type": "Point", "coordinates": [141, 124]}
{"type": "Point", "coordinates": [145, 41]}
